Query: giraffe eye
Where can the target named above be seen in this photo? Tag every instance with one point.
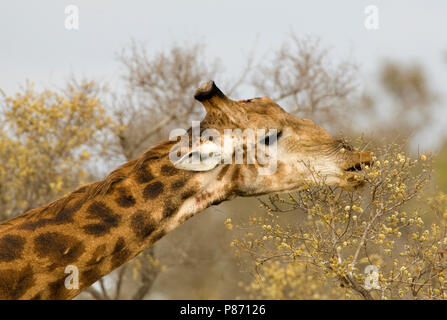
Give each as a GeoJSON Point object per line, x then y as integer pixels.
{"type": "Point", "coordinates": [271, 139]}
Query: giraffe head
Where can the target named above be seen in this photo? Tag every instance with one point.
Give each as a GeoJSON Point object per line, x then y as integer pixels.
{"type": "Point", "coordinates": [257, 147]}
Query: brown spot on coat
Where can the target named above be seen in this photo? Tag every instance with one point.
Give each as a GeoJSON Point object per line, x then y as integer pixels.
{"type": "Point", "coordinates": [187, 194]}
{"type": "Point", "coordinates": [98, 255]}
{"type": "Point", "coordinates": [57, 289]}
{"type": "Point", "coordinates": [60, 249]}
{"type": "Point", "coordinates": [37, 297]}
{"type": "Point", "coordinates": [142, 224]}
{"type": "Point", "coordinates": [143, 175]}
{"type": "Point", "coordinates": [153, 190]}
{"type": "Point", "coordinates": [157, 236]}
{"type": "Point", "coordinates": [107, 219]}
{"type": "Point", "coordinates": [169, 209]}
{"type": "Point", "coordinates": [223, 172]}
{"type": "Point", "coordinates": [65, 215]}
{"type": "Point", "coordinates": [11, 247]}
{"type": "Point", "coordinates": [120, 253]}
{"type": "Point", "coordinates": [90, 276]}
{"type": "Point", "coordinates": [178, 184]}
{"type": "Point", "coordinates": [125, 199]}
{"type": "Point", "coordinates": [168, 170]}
{"type": "Point", "coordinates": [236, 174]}
{"type": "Point", "coordinates": [14, 283]}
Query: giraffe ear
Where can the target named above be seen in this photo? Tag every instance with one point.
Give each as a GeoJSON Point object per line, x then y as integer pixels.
{"type": "Point", "coordinates": [204, 157]}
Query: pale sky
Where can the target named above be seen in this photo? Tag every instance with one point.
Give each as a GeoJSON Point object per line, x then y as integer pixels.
{"type": "Point", "coordinates": [35, 44]}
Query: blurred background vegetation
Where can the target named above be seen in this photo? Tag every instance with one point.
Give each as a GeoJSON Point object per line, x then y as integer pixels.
{"type": "Point", "coordinates": [56, 139]}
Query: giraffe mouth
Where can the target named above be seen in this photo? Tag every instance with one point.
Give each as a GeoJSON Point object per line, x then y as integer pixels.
{"type": "Point", "coordinates": [358, 167]}
{"type": "Point", "coordinates": [355, 181]}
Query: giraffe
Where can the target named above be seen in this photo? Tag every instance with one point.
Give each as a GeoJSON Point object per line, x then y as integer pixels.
{"type": "Point", "coordinates": [102, 225]}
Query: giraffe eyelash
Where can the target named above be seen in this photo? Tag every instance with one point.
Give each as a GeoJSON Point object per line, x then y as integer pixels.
{"type": "Point", "coordinates": [271, 139]}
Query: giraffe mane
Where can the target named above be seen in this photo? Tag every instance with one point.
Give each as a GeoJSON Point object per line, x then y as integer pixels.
{"type": "Point", "coordinates": [99, 188]}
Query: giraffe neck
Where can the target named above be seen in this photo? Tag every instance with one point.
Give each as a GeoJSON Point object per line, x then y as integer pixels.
{"type": "Point", "coordinates": [97, 228]}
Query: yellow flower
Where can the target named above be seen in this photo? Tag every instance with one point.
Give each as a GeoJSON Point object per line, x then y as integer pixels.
{"type": "Point", "coordinates": [228, 224]}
